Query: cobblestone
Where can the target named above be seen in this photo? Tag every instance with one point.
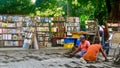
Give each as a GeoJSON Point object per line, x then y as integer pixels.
{"type": "Point", "coordinates": [45, 58]}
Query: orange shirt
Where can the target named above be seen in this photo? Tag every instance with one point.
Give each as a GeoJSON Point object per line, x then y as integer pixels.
{"type": "Point", "coordinates": [92, 51]}
{"type": "Point", "coordinates": [85, 45]}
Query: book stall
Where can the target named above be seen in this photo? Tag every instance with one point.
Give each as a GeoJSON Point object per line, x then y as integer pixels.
{"type": "Point", "coordinates": [36, 32]}
{"type": "Point", "coordinates": [15, 30]}
{"type": "Point", "coordinates": [90, 33]}
{"type": "Point", "coordinates": [72, 26]}
{"type": "Point", "coordinates": [10, 30]}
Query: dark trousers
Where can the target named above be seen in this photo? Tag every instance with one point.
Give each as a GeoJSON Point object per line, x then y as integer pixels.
{"type": "Point", "coordinates": [102, 40]}
{"type": "Point", "coordinates": [106, 48]}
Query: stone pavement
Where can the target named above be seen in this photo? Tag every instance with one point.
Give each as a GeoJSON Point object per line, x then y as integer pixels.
{"type": "Point", "coordinates": [45, 58]}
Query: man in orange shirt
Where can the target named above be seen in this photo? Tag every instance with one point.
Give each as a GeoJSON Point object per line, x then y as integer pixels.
{"type": "Point", "coordinates": [82, 48]}
{"type": "Point", "coordinates": [93, 50]}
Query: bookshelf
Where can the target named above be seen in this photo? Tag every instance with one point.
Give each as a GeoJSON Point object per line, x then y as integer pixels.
{"type": "Point", "coordinates": [42, 31]}
{"type": "Point", "coordinates": [72, 25]}
{"type": "Point", "coordinates": [58, 30]}
{"type": "Point", "coordinates": [10, 30]}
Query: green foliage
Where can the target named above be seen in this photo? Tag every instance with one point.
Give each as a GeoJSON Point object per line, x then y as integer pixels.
{"type": "Point", "coordinates": [48, 8]}
{"type": "Point", "coordinates": [16, 7]}
{"type": "Point", "coordinates": [50, 12]}
{"type": "Point", "coordinates": [87, 8]}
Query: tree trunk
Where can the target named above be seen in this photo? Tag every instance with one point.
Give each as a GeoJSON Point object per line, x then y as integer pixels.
{"type": "Point", "coordinates": [115, 12]}
{"type": "Point", "coordinates": [108, 5]}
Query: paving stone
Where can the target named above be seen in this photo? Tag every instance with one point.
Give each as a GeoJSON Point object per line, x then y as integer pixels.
{"type": "Point", "coordinates": [46, 59]}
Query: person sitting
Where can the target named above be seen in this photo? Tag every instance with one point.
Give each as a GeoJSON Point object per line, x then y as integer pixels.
{"type": "Point", "coordinates": [93, 50]}
{"type": "Point", "coordinates": [82, 48]}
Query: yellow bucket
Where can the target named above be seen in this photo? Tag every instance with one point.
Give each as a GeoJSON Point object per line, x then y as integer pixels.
{"type": "Point", "coordinates": [68, 45]}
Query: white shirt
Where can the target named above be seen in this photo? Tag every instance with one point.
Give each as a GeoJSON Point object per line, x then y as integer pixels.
{"type": "Point", "coordinates": [100, 28]}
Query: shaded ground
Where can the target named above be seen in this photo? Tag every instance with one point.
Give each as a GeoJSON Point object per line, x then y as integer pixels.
{"type": "Point", "coordinates": [46, 58]}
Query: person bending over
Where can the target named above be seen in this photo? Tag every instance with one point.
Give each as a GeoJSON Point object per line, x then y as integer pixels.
{"type": "Point", "coordinates": [82, 48]}
{"type": "Point", "coordinates": [93, 50]}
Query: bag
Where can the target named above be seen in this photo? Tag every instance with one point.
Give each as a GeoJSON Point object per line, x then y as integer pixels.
{"type": "Point", "coordinates": [26, 46]}
{"type": "Point", "coordinates": [25, 40]}
{"type": "Point", "coordinates": [29, 41]}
